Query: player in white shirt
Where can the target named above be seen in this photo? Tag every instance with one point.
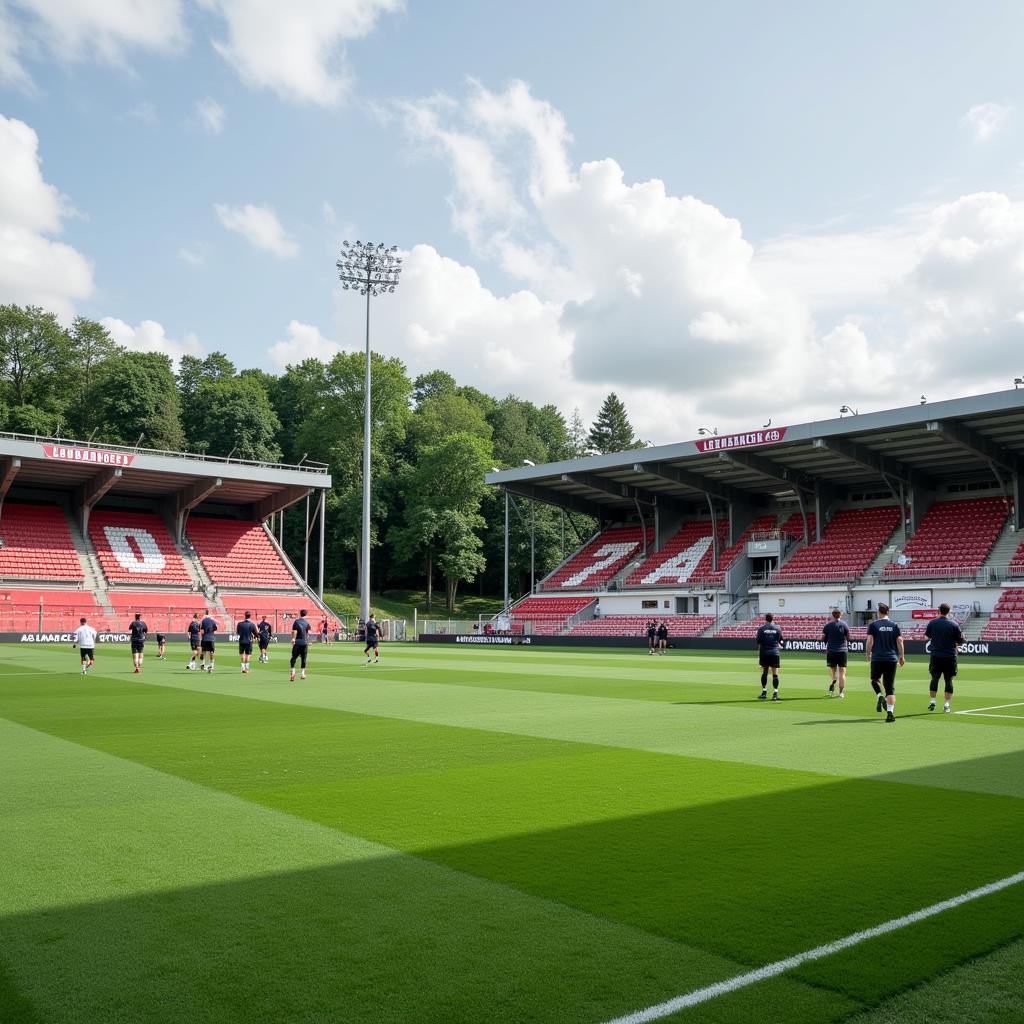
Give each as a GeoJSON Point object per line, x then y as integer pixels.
{"type": "Point", "coordinates": [85, 641]}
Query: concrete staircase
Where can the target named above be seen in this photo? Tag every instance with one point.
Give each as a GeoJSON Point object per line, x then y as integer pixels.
{"type": "Point", "coordinates": [200, 577]}
{"type": "Point", "coordinates": [1005, 547]}
{"type": "Point", "coordinates": [884, 556]}
{"type": "Point", "coordinates": [89, 560]}
{"type": "Point", "coordinates": [973, 627]}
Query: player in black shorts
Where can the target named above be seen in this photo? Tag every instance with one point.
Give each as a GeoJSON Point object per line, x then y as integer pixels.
{"type": "Point", "coordinates": [194, 632]}
{"type": "Point", "coordinates": [246, 631]}
{"type": "Point", "coordinates": [836, 635]}
{"type": "Point", "coordinates": [662, 637]}
{"type": "Point", "coordinates": [373, 639]}
{"type": "Point", "coordinates": [769, 647]}
{"type": "Point", "coordinates": [264, 630]}
{"type": "Point", "coordinates": [161, 644]}
{"type": "Point", "coordinates": [207, 643]}
{"type": "Point", "coordinates": [137, 632]}
{"type": "Point", "coordinates": [652, 636]}
{"type": "Point", "coordinates": [300, 643]}
{"type": "Point", "coordinates": [945, 638]}
{"type": "Point", "coordinates": [884, 650]}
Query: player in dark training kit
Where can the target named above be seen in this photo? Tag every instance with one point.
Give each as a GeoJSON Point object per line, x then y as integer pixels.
{"type": "Point", "coordinates": [207, 643]}
{"type": "Point", "coordinates": [263, 628]}
{"type": "Point", "coordinates": [137, 632]}
{"type": "Point", "coordinates": [652, 636]}
{"type": "Point", "coordinates": [246, 631]}
{"type": "Point", "coordinates": [945, 638]}
{"type": "Point", "coordinates": [836, 635]}
{"type": "Point", "coordinates": [769, 647]}
{"type": "Point", "coordinates": [884, 650]}
{"type": "Point", "coordinates": [300, 643]}
{"type": "Point", "coordinates": [373, 640]}
{"type": "Point", "coordinates": [194, 631]}
{"type": "Point", "coordinates": [161, 644]}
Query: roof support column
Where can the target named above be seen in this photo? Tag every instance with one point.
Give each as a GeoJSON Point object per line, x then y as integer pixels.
{"type": "Point", "coordinates": [187, 500]}
{"type": "Point", "coordinates": [1017, 493]}
{"type": "Point", "coordinates": [89, 493]}
{"type": "Point", "coordinates": [8, 471]}
{"type": "Point", "coordinates": [714, 534]}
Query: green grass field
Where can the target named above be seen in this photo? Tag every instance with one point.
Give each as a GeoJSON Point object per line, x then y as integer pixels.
{"type": "Point", "coordinates": [500, 835]}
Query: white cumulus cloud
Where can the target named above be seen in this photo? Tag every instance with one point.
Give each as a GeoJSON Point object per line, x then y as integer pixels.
{"type": "Point", "coordinates": [304, 341]}
{"type": "Point", "coordinates": [33, 267]}
{"type": "Point", "coordinates": [150, 336]}
{"type": "Point", "coordinates": [662, 297]}
{"type": "Point", "coordinates": [210, 115]}
{"type": "Point", "coordinates": [73, 30]}
{"type": "Point", "coordinates": [986, 119]}
{"type": "Point", "coordinates": [259, 226]}
{"type": "Point", "coordinates": [296, 49]}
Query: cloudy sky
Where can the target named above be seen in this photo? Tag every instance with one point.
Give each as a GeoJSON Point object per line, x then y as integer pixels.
{"type": "Point", "coordinates": [723, 214]}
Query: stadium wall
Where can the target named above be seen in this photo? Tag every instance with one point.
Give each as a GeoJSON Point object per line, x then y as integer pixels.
{"type": "Point", "coordinates": [974, 648]}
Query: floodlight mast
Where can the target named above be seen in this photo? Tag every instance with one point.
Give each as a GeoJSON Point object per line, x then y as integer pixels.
{"type": "Point", "coordinates": [369, 270]}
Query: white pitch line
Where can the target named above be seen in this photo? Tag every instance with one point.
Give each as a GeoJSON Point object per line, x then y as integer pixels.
{"type": "Point", "coordinates": [995, 707]}
{"type": "Point", "coordinates": [721, 988]}
{"type": "Point", "coordinates": [981, 714]}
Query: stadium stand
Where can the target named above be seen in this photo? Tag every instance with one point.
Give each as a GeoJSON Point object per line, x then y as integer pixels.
{"type": "Point", "coordinates": [636, 625]}
{"type": "Point", "coordinates": [37, 544]}
{"type": "Point", "coordinates": [1007, 619]}
{"type": "Point", "coordinates": [794, 525]}
{"type": "Point", "coordinates": [953, 538]}
{"type": "Point", "coordinates": [238, 553]}
{"type": "Point", "coordinates": [794, 627]}
{"type": "Point", "coordinates": [685, 558]}
{"type": "Point", "coordinates": [847, 546]}
{"type": "Point", "coordinates": [166, 612]}
{"type": "Point", "coordinates": [1016, 567]}
{"type": "Point", "coordinates": [548, 614]}
{"type": "Point", "coordinates": [20, 610]}
{"type": "Point", "coordinates": [728, 558]}
{"type": "Point", "coordinates": [600, 560]}
{"type": "Point", "coordinates": [135, 547]}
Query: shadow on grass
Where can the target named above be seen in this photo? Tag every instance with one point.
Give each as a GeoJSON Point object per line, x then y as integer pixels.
{"type": "Point", "coordinates": [744, 700]}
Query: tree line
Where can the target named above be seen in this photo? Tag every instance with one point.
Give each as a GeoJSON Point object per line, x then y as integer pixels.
{"type": "Point", "coordinates": [434, 519]}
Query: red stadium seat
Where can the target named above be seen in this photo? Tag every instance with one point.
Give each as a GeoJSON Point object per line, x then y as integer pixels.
{"type": "Point", "coordinates": [238, 553]}
{"type": "Point", "coordinates": [953, 539]}
{"type": "Point", "coordinates": [37, 544]}
{"type": "Point", "coordinates": [20, 610]}
{"type": "Point", "coordinates": [847, 546]}
{"type": "Point", "coordinates": [636, 625]}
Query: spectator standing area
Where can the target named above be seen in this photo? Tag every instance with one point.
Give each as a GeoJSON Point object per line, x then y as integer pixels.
{"type": "Point", "coordinates": [107, 532]}
{"type": "Point", "coordinates": [909, 507]}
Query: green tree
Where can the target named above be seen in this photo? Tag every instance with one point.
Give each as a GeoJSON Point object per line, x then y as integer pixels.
{"type": "Point", "coordinates": [430, 385]}
{"type": "Point", "coordinates": [90, 346]}
{"type": "Point", "coordinates": [437, 416]}
{"type": "Point", "coordinates": [578, 443]}
{"type": "Point", "coordinates": [137, 396]}
{"type": "Point", "coordinates": [33, 357]}
{"type": "Point", "coordinates": [233, 415]}
{"type": "Point", "coordinates": [612, 431]}
{"type": "Point", "coordinates": [442, 512]}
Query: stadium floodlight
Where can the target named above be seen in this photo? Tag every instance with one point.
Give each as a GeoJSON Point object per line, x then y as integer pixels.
{"type": "Point", "coordinates": [369, 270]}
{"type": "Point", "coordinates": [1017, 381]}
{"type": "Point", "coordinates": [848, 410]}
{"type": "Point", "coordinates": [712, 431]}
{"type": "Point", "coordinates": [924, 401]}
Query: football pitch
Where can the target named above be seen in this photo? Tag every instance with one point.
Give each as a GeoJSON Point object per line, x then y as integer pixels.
{"type": "Point", "coordinates": [493, 835]}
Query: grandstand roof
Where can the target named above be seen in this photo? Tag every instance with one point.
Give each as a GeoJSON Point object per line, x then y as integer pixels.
{"type": "Point", "coordinates": [921, 445]}
{"type": "Point", "coordinates": [60, 464]}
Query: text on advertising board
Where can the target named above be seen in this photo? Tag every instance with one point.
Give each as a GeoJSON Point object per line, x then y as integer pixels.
{"type": "Point", "coordinates": [752, 437]}
{"type": "Point", "coordinates": [92, 456]}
